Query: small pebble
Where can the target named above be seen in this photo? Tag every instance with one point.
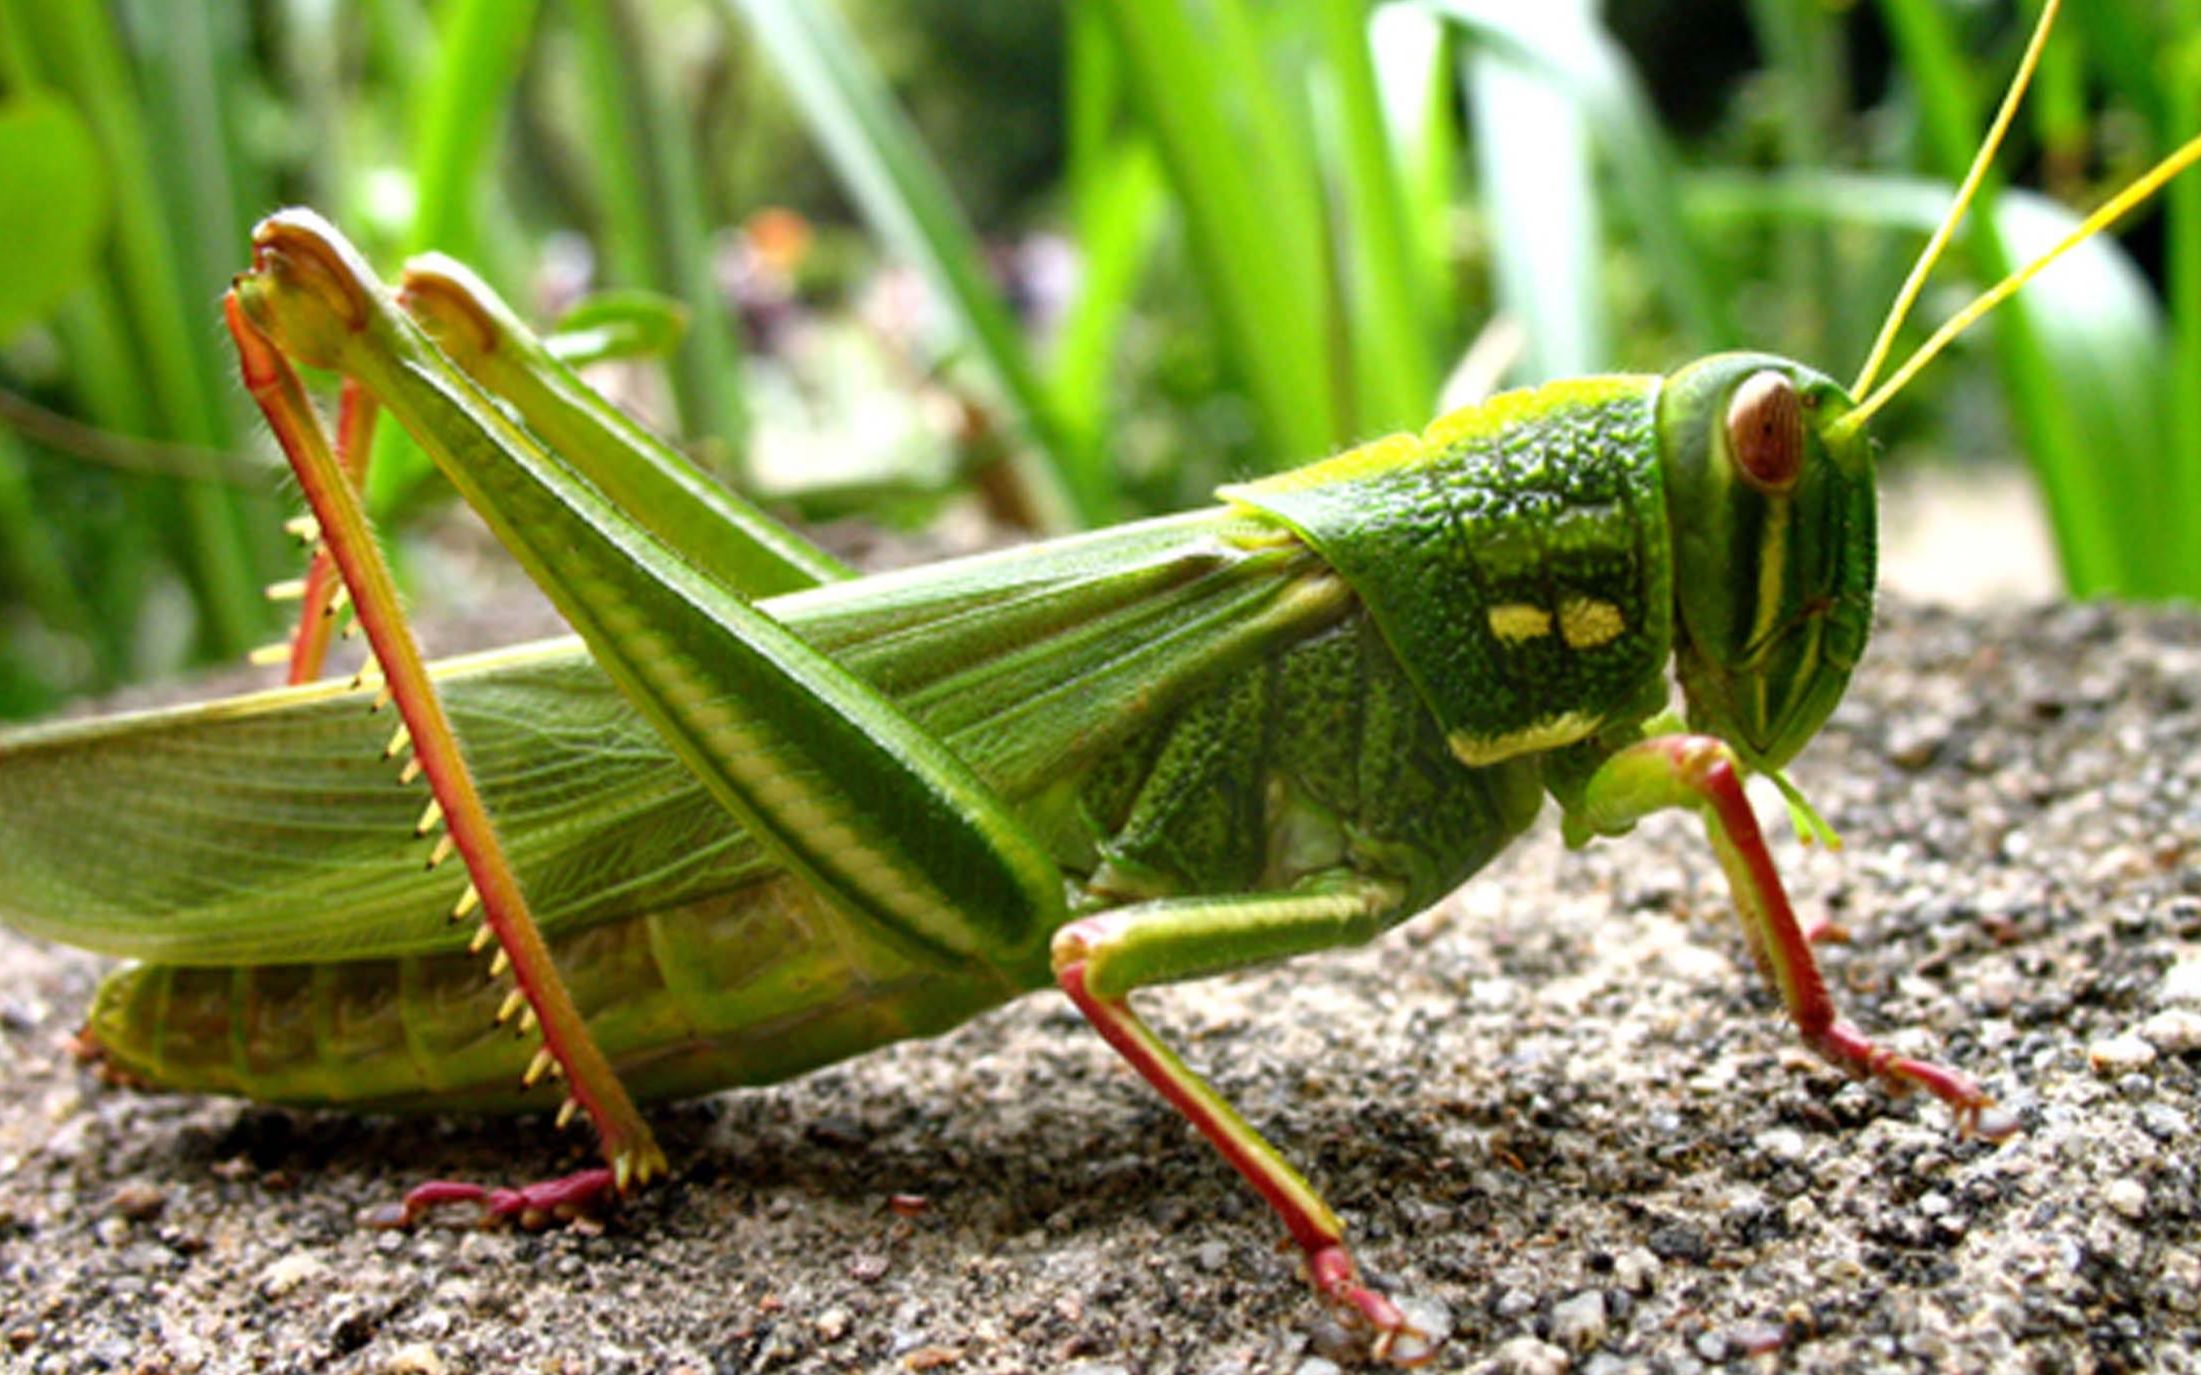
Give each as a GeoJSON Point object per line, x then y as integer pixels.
{"type": "Point", "coordinates": [2181, 984]}
{"type": "Point", "coordinates": [1528, 1356]}
{"type": "Point", "coordinates": [2164, 1123]}
{"type": "Point", "coordinates": [1913, 744]}
{"type": "Point", "coordinates": [1579, 1322]}
{"type": "Point", "coordinates": [286, 1274]}
{"type": "Point", "coordinates": [1682, 1243]}
{"type": "Point", "coordinates": [868, 1267]}
{"type": "Point", "coordinates": [139, 1201]}
{"type": "Point", "coordinates": [2173, 1031]}
{"type": "Point", "coordinates": [1211, 1255]}
{"type": "Point", "coordinates": [1432, 1318]}
{"type": "Point", "coordinates": [432, 1321]}
{"type": "Point", "coordinates": [1785, 1144]}
{"type": "Point", "coordinates": [2120, 1055]}
{"type": "Point", "coordinates": [832, 1324]}
{"type": "Point", "coordinates": [1637, 1269]}
{"type": "Point", "coordinates": [2129, 1197]}
{"type": "Point", "coordinates": [416, 1358]}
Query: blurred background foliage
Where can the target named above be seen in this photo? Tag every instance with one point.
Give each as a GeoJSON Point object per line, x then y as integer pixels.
{"type": "Point", "coordinates": [1064, 263]}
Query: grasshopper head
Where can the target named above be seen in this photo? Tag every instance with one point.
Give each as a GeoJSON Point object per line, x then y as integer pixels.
{"type": "Point", "coordinates": [1771, 508]}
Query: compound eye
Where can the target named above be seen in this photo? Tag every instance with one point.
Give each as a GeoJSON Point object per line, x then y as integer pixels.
{"type": "Point", "coordinates": [1765, 432]}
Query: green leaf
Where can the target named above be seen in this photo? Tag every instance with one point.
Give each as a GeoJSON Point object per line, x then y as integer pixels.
{"type": "Point", "coordinates": [53, 207]}
{"type": "Point", "coordinates": [626, 323]}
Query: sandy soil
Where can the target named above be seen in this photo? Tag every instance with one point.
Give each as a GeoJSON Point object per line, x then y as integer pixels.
{"type": "Point", "coordinates": [1561, 1114]}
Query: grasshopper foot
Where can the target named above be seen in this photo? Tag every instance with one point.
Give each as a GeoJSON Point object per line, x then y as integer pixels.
{"type": "Point", "coordinates": [534, 1206]}
{"type": "Point", "coordinates": [1976, 1113]}
{"type": "Point", "coordinates": [1397, 1340]}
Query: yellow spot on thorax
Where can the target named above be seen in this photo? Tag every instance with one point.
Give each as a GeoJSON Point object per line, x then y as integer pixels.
{"type": "Point", "coordinates": [1586, 622]}
{"type": "Point", "coordinates": [1519, 621]}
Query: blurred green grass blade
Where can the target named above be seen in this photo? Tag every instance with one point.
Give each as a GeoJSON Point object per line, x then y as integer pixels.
{"type": "Point", "coordinates": [1413, 64]}
{"type": "Point", "coordinates": [2182, 287]}
{"type": "Point", "coordinates": [310, 57]}
{"type": "Point", "coordinates": [30, 555]}
{"type": "Point", "coordinates": [1806, 57]}
{"type": "Point", "coordinates": [1249, 195]}
{"type": "Point", "coordinates": [180, 88]}
{"type": "Point", "coordinates": [2056, 103]}
{"type": "Point", "coordinates": [102, 375]}
{"type": "Point", "coordinates": [478, 55]}
{"type": "Point", "coordinates": [1386, 301]}
{"type": "Point", "coordinates": [1532, 153]}
{"type": "Point", "coordinates": [2102, 336]}
{"type": "Point", "coordinates": [1586, 63]}
{"type": "Point", "coordinates": [79, 52]}
{"type": "Point", "coordinates": [1116, 198]}
{"type": "Point", "coordinates": [2150, 58]}
{"type": "Point", "coordinates": [2090, 500]}
{"type": "Point", "coordinates": [655, 233]}
{"type": "Point", "coordinates": [900, 191]}
{"type": "Point", "coordinates": [179, 94]}
{"type": "Point", "coordinates": [1119, 213]}
{"type": "Point", "coordinates": [52, 215]}
{"type": "Point", "coordinates": [2127, 45]}
{"type": "Point", "coordinates": [456, 122]}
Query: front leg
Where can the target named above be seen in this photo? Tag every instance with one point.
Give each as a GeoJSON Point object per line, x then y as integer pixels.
{"type": "Point", "coordinates": [1701, 773]}
{"type": "Point", "coordinates": [1099, 960]}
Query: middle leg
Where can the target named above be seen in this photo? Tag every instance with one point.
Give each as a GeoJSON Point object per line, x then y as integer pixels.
{"type": "Point", "coordinates": [1099, 960]}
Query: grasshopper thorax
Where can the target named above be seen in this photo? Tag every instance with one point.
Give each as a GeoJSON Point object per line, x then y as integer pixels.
{"type": "Point", "coordinates": [1771, 509]}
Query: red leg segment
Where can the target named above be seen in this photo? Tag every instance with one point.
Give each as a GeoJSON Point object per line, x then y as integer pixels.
{"type": "Point", "coordinates": [1701, 772]}
{"type": "Point", "coordinates": [1082, 947]}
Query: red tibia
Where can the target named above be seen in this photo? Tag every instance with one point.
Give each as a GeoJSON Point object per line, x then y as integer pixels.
{"type": "Point", "coordinates": [309, 643]}
{"type": "Point", "coordinates": [1312, 1226]}
{"type": "Point", "coordinates": [627, 1143]}
{"type": "Point", "coordinates": [1707, 768]}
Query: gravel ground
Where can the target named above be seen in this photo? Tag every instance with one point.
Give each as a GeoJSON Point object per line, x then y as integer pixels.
{"type": "Point", "coordinates": [1560, 1113]}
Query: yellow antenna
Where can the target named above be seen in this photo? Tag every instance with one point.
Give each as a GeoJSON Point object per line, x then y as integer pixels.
{"type": "Point", "coordinates": [1916, 282]}
{"type": "Point", "coordinates": [2111, 210]}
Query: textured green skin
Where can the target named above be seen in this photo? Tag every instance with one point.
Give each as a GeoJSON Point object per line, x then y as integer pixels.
{"type": "Point", "coordinates": [1529, 500]}
{"type": "Point", "coordinates": [1195, 705]}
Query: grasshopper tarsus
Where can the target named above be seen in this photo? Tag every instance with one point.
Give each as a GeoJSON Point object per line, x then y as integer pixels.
{"type": "Point", "coordinates": [1397, 1341]}
{"type": "Point", "coordinates": [568, 1198]}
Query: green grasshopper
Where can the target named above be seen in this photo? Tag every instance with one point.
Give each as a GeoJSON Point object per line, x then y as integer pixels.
{"type": "Point", "coordinates": [737, 839]}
